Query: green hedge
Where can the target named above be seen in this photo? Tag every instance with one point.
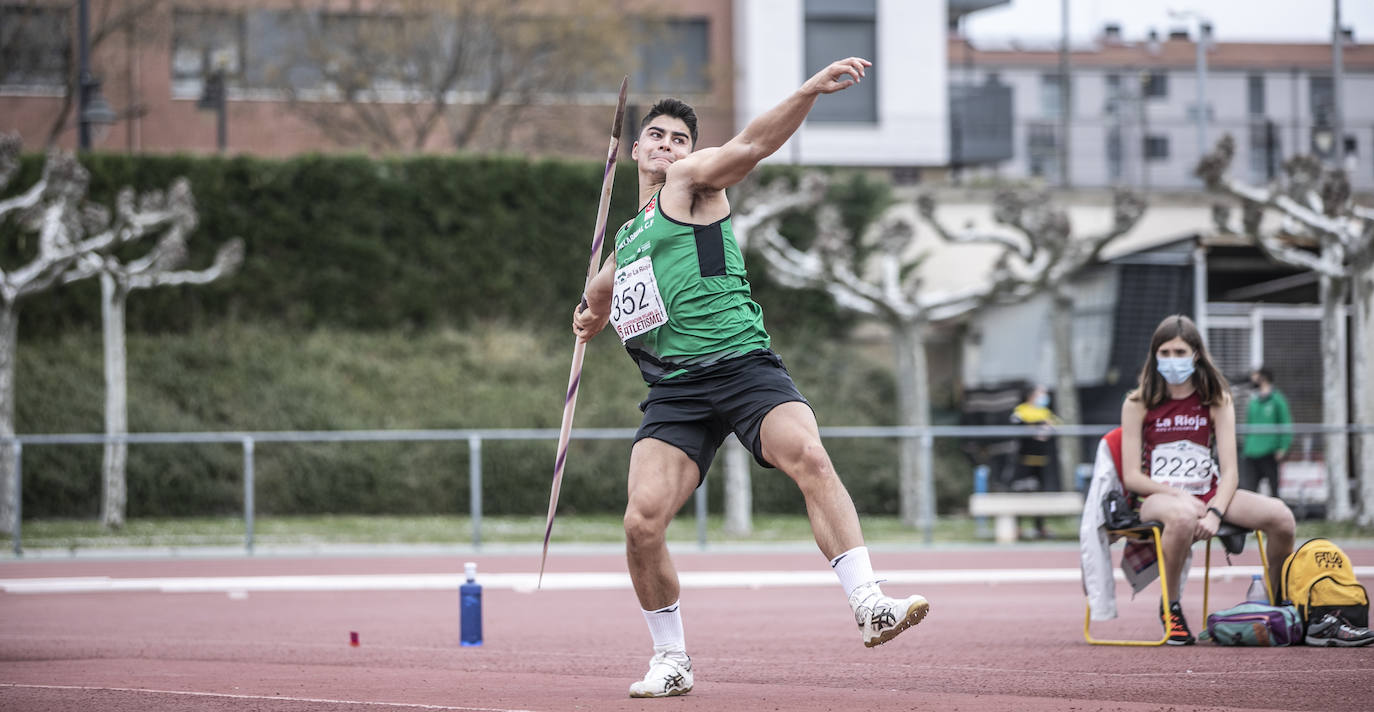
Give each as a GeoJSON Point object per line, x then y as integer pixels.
{"type": "Point", "coordinates": [358, 243]}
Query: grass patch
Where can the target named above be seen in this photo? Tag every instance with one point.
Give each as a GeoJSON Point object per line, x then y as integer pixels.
{"type": "Point", "coordinates": [251, 377]}
{"type": "Point", "coordinates": [456, 530]}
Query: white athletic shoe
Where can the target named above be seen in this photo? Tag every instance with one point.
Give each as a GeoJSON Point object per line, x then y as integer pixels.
{"type": "Point", "coordinates": [881, 618]}
{"type": "Point", "coordinates": [670, 674]}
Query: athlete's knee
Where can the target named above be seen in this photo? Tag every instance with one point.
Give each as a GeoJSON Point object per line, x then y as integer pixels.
{"type": "Point", "coordinates": [642, 528]}
{"type": "Point", "coordinates": [1176, 518]}
{"type": "Point", "coordinates": [1281, 522]}
{"type": "Point", "coordinates": [810, 462]}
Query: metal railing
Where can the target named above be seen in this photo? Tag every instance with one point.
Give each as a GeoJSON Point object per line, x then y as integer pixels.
{"type": "Point", "coordinates": [475, 437]}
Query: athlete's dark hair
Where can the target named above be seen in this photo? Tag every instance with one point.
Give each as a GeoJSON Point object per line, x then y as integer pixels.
{"type": "Point", "coordinates": [1207, 379]}
{"type": "Point", "coordinates": [676, 109]}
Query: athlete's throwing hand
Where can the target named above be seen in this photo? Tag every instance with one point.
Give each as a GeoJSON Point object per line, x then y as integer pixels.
{"type": "Point", "coordinates": [587, 323]}
{"type": "Point", "coordinates": [841, 74]}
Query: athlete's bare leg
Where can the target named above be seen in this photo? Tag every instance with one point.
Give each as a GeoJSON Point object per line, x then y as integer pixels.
{"type": "Point", "coordinates": [1179, 517]}
{"type": "Point", "coordinates": [662, 477]}
{"type": "Point", "coordinates": [791, 442]}
{"type": "Point", "coordinates": [1271, 516]}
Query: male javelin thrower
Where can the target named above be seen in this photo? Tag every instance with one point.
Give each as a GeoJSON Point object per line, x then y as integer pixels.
{"type": "Point", "coordinates": [678, 296]}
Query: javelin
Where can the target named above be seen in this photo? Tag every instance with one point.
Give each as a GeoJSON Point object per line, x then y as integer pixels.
{"type": "Point", "coordinates": [580, 348]}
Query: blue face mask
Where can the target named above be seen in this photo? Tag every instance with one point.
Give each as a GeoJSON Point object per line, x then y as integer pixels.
{"type": "Point", "coordinates": [1176, 371]}
{"type": "Point", "coordinates": [1042, 400]}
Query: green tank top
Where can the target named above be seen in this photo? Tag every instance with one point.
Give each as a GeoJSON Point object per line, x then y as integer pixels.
{"type": "Point", "coordinates": [681, 299]}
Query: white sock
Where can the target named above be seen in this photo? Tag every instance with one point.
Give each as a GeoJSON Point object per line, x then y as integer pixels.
{"type": "Point", "coordinates": [854, 569]}
{"type": "Point", "coordinates": [665, 626]}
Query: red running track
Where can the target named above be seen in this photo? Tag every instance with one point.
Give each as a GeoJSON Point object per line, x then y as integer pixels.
{"type": "Point", "coordinates": [985, 646]}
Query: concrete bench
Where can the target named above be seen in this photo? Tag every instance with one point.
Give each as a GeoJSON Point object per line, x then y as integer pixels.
{"type": "Point", "coordinates": [1007, 506]}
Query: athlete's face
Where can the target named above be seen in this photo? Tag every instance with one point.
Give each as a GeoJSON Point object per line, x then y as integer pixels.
{"type": "Point", "coordinates": [664, 141]}
{"type": "Point", "coordinates": [1174, 348]}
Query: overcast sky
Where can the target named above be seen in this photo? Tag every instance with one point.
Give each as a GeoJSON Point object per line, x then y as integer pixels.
{"type": "Point", "coordinates": [1232, 20]}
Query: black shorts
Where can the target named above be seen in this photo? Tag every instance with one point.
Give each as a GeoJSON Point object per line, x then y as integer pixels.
{"type": "Point", "coordinates": [695, 411]}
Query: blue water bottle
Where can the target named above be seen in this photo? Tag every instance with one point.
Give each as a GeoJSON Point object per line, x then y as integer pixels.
{"type": "Point", "coordinates": [980, 486]}
{"type": "Point", "coordinates": [470, 594]}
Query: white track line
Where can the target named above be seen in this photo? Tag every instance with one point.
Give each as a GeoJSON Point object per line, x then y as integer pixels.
{"type": "Point", "coordinates": [187, 693]}
{"type": "Point", "coordinates": [554, 582]}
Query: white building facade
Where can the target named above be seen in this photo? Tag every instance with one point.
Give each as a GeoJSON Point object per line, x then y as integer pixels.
{"type": "Point", "coordinates": [897, 117]}
{"type": "Point", "coordinates": [1133, 117]}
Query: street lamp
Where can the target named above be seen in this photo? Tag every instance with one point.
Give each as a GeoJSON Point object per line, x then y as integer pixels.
{"type": "Point", "coordinates": [1337, 77]}
{"type": "Point", "coordinates": [212, 99]}
{"type": "Point", "coordinates": [92, 110]}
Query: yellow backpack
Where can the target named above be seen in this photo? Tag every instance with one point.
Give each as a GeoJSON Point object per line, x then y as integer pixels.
{"type": "Point", "coordinates": [1318, 578]}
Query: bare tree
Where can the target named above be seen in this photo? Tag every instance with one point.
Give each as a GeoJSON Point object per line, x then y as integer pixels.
{"type": "Point", "coordinates": [875, 273]}
{"type": "Point", "coordinates": [159, 267]}
{"type": "Point", "coordinates": [1315, 205]}
{"type": "Point", "coordinates": [390, 75]}
{"type": "Point", "coordinates": [1048, 256]}
{"type": "Point", "coordinates": [48, 208]}
{"type": "Point", "coordinates": [67, 230]}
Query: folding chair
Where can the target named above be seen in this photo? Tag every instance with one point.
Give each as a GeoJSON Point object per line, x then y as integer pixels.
{"type": "Point", "coordinates": [1146, 531]}
{"type": "Point", "coordinates": [1233, 542]}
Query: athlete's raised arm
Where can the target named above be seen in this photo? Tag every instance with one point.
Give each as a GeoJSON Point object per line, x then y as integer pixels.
{"type": "Point", "coordinates": [720, 168]}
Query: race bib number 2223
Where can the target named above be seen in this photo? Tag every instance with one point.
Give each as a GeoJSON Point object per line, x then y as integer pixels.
{"type": "Point", "coordinates": [1183, 465]}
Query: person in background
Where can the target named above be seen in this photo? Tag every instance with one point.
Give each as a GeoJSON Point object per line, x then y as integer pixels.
{"type": "Point", "coordinates": [1033, 457]}
{"type": "Point", "coordinates": [1180, 413]}
{"type": "Point", "coordinates": [1263, 451]}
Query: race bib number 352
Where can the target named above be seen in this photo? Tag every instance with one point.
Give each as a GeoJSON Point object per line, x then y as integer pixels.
{"type": "Point", "coordinates": [1182, 465]}
{"type": "Point", "coordinates": [636, 306]}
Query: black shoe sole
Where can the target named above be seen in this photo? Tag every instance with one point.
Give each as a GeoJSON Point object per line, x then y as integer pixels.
{"type": "Point", "coordinates": [1334, 643]}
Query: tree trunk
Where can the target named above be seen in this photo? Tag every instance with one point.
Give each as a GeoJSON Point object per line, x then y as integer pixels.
{"type": "Point", "coordinates": [739, 496]}
{"type": "Point", "coordinates": [113, 299]}
{"type": "Point", "coordinates": [1362, 298]}
{"type": "Point", "coordinates": [9, 477]}
{"type": "Point", "coordinates": [1066, 386]}
{"type": "Point", "coordinates": [913, 403]}
{"type": "Point", "coordinates": [1334, 410]}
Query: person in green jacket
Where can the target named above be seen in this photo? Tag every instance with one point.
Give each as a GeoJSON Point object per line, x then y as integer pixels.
{"type": "Point", "coordinates": [1263, 451]}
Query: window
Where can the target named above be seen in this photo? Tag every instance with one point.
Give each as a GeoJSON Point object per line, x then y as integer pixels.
{"type": "Point", "coordinates": [359, 51]}
{"type": "Point", "coordinates": [1156, 148]}
{"type": "Point", "coordinates": [1264, 149]}
{"type": "Point", "coordinates": [1254, 86]}
{"type": "Point", "coordinates": [1042, 148]}
{"type": "Point", "coordinates": [35, 45]}
{"type": "Point", "coordinates": [1156, 85]}
{"type": "Point", "coordinates": [842, 28]}
{"type": "Point", "coordinates": [1321, 100]}
{"type": "Point", "coordinates": [1115, 154]}
{"type": "Point", "coordinates": [203, 41]}
{"type": "Point", "coordinates": [280, 50]}
{"type": "Point", "coordinates": [1112, 93]}
{"type": "Point", "coordinates": [1051, 94]}
{"type": "Point", "coordinates": [675, 60]}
